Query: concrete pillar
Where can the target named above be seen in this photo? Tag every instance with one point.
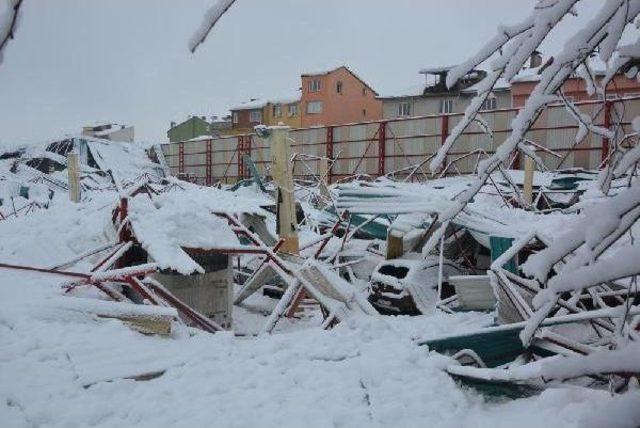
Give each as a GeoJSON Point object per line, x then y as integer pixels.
{"type": "Point", "coordinates": [323, 175]}
{"type": "Point", "coordinates": [73, 169]}
{"type": "Point", "coordinates": [282, 173]}
{"type": "Point", "coordinates": [528, 179]}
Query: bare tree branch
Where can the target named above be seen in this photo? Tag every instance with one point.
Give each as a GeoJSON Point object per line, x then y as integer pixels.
{"type": "Point", "coordinates": [210, 19]}
{"type": "Point", "coordinates": [9, 24]}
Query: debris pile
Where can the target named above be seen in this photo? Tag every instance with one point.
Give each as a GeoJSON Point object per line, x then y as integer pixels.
{"type": "Point", "coordinates": [546, 291]}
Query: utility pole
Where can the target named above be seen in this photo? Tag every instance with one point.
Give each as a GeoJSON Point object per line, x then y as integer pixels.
{"type": "Point", "coordinates": [282, 173]}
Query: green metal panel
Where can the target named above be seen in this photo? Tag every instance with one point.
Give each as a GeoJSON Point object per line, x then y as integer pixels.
{"type": "Point", "coordinates": [191, 128]}
{"type": "Point", "coordinates": [375, 229]}
{"type": "Point", "coordinates": [499, 245]}
{"type": "Point", "coordinates": [495, 347]}
{"type": "Point", "coordinates": [254, 171]}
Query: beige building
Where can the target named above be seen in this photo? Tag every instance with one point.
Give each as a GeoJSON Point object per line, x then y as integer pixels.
{"type": "Point", "coordinates": [433, 97]}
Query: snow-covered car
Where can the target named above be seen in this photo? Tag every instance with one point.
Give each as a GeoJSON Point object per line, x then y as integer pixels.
{"type": "Point", "coordinates": [409, 287]}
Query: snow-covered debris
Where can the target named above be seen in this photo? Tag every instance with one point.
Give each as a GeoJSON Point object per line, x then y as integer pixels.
{"type": "Point", "coordinates": [124, 161]}
{"type": "Point", "coordinates": [177, 220]}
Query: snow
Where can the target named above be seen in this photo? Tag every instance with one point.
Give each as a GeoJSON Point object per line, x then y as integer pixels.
{"type": "Point", "coordinates": [61, 365]}
{"type": "Point", "coordinates": [250, 105]}
{"type": "Point", "coordinates": [287, 99]}
{"type": "Point", "coordinates": [125, 161]}
{"type": "Point", "coordinates": [368, 373]}
{"type": "Point", "coordinates": [321, 71]}
{"type": "Point", "coordinates": [184, 219]}
{"type": "Point", "coordinates": [437, 70]}
{"type": "Point", "coordinates": [623, 360]}
{"type": "Point", "coordinates": [65, 367]}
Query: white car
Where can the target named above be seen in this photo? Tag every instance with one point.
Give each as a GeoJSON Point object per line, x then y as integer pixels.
{"type": "Point", "coordinates": [409, 287]}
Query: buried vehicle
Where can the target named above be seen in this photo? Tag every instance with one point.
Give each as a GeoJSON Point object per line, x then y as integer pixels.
{"type": "Point", "coordinates": [410, 286]}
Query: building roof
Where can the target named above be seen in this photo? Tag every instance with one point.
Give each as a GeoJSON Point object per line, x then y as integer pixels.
{"type": "Point", "coordinates": [325, 72]}
{"type": "Point", "coordinates": [436, 70]}
{"type": "Point", "coordinates": [290, 99]}
{"type": "Point", "coordinates": [253, 104]}
{"type": "Point", "coordinates": [532, 74]}
{"type": "Point", "coordinates": [411, 91]}
{"type": "Point", "coordinates": [501, 85]}
{"type": "Point", "coordinates": [187, 120]}
{"type": "Point", "coordinates": [258, 103]}
{"type": "Point", "coordinates": [419, 89]}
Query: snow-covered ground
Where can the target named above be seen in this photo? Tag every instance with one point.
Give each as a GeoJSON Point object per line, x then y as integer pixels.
{"type": "Point", "coordinates": [61, 368]}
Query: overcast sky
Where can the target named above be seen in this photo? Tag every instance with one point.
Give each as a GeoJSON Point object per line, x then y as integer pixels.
{"type": "Point", "coordinates": [75, 62]}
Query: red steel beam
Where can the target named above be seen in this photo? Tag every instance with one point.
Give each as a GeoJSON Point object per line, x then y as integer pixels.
{"type": "Point", "coordinates": [444, 132]}
{"type": "Point", "coordinates": [329, 151]}
{"type": "Point", "coordinates": [382, 149]}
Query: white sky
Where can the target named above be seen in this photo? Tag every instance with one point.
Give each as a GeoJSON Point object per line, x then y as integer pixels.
{"type": "Point", "coordinates": [75, 62]}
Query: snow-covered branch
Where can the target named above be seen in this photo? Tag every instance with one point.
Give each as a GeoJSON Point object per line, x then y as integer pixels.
{"type": "Point", "coordinates": [575, 52]}
{"type": "Point", "coordinates": [8, 24]}
{"type": "Point", "coordinates": [210, 19]}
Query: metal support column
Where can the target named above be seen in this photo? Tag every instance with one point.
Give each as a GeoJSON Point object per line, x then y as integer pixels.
{"type": "Point", "coordinates": [329, 151]}
{"type": "Point", "coordinates": [181, 158]}
{"type": "Point", "coordinates": [607, 125]}
{"type": "Point", "coordinates": [208, 164]}
{"type": "Point", "coordinates": [248, 141]}
{"type": "Point", "coordinates": [444, 134]}
{"type": "Point", "coordinates": [382, 149]}
{"type": "Point", "coordinates": [240, 159]}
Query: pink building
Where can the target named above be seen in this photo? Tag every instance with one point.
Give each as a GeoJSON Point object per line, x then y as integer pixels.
{"type": "Point", "coordinates": [336, 97]}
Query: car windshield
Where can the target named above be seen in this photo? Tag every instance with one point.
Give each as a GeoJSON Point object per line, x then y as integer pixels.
{"type": "Point", "coordinates": [395, 271]}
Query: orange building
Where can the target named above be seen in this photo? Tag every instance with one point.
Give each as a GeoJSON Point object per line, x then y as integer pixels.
{"type": "Point", "coordinates": [336, 97]}
{"type": "Point", "coordinates": [574, 88]}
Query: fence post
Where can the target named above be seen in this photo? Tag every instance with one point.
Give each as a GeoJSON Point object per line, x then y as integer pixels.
{"type": "Point", "coordinates": [181, 158]}
{"type": "Point", "coordinates": [329, 150]}
{"type": "Point", "coordinates": [607, 125]}
{"type": "Point", "coordinates": [382, 149]}
{"type": "Point", "coordinates": [444, 133]}
{"type": "Point", "coordinates": [208, 164]}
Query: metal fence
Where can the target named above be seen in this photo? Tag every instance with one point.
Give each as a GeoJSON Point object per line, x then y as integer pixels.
{"type": "Point", "coordinates": [401, 146]}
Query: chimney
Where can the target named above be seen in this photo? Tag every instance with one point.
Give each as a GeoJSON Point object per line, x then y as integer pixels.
{"type": "Point", "coordinates": [535, 60]}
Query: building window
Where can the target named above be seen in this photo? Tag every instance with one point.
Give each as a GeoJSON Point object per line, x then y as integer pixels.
{"type": "Point", "coordinates": [446, 106]}
{"type": "Point", "coordinates": [364, 113]}
{"type": "Point", "coordinates": [339, 87]}
{"type": "Point", "coordinates": [364, 91]}
{"type": "Point", "coordinates": [491, 103]}
{"type": "Point", "coordinates": [293, 110]}
{"type": "Point", "coordinates": [314, 107]}
{"type": "Point", "coordinates": [277, 110]}
{"type": "Point", "coordinates": [404, 109]}
{"type": "Point", "coordinates": [235, 117]}
{"type": "Point", "coordinates": [314, 85]}
{"type": "Point", "coordinates": [255, 116]}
